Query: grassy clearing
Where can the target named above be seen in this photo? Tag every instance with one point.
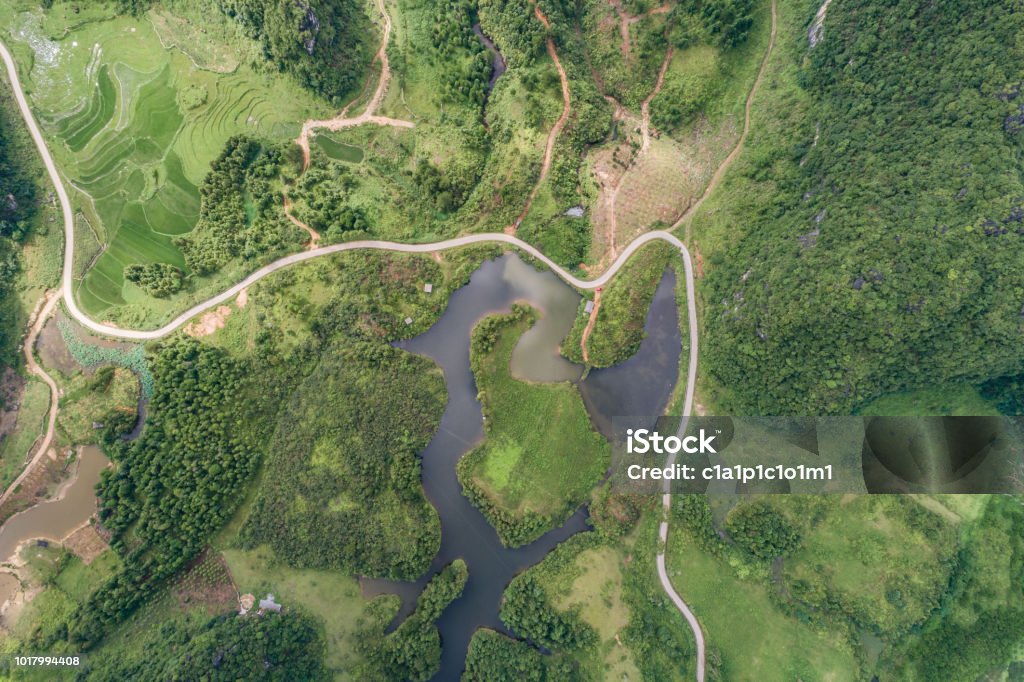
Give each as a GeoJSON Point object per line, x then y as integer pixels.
{"type": "Point", "coordinates": [955, 400]}
{"type": "Point", "coordinates": [542, 455]}
{"type": "Point", "coordinates": [89, 400]}
{"type": "Point", "coordinates": [30, 426]}
{"type": "Point", "coordinates": [750, 639]}
{"type": "Point", "coordinates": [68, 584]}
{"type": "Point", "coordinates": [884, 562]}
{"type": "Point", "coordinates": [606, 591]}
{"type": "Point", "coordinates": [596, 592]}
{"type": "Point", "coordinates": [976, 634]}
{"type": "Point", "coordinates": [331, 596]}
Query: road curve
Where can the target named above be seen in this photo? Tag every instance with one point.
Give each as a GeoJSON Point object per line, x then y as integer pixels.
{"type": "Point", "coordinates": [67, 285]}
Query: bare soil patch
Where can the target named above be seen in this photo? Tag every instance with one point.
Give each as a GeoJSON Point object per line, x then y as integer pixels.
{"type": "Point", "coordinates": [53, 351]}
{"type": "Point", "coordinates": [207, 582]}
{"type": "Point", "coordinates": [48, 473]}
{"type": "Point", "coordinates": [12, 388]}
{"type": "Point", "coordinates": [209, 322]}
{"type": "Point", "coordinates": [85, 543]}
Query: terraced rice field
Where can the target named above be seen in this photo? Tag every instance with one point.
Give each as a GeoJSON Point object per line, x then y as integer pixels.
{"type": "Point", "coordinates": [134, 127]}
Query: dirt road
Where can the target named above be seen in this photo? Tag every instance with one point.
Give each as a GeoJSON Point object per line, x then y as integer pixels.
{"type": "Point", "coordinates": [42, 313]}
{"type": "Point", "coordinates": [556, 129]}
{"type": "Point", "coordinates": [343, 121]}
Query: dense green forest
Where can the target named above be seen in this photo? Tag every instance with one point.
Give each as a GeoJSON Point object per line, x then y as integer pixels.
{"type": "Point", "coordinates": [176, 484]}
{"type": "Point", "coordinates": [18, 208]}
{"type": "Point", "coordinates": [273, 646]}
{"type": "Point", "coordinates": [494, 657]}
{"type": "Point", "coordinates": [325, 44]}
{"type": "Point", "coordinates": [240, 214]}
{"type": "Point", "coordinates": [347, 444]}
{"type": "Point", "coordinates": [876, 239]}
{"type": "Point", "coordinates": [413, 650]}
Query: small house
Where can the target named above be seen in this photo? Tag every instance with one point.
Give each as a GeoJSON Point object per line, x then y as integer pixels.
{"type": "Point", "coordinates": [269, 604]}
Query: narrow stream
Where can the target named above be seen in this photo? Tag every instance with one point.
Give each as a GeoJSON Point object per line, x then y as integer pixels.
{"type": "Point", "coordinates": [465, 532]}
{"type": "Point", "coordinates": [498, 65]}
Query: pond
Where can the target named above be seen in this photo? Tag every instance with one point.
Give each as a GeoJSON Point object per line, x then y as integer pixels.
{"type": "Point", "coordinates": [74, 503]}
{"type": "Point", "coordinates": [339, 151]}
{"type": "Point", "coordinates": [465, 533]}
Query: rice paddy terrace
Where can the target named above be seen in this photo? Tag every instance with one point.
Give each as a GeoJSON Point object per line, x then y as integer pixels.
{"type": "Point", "coordinates": [135, 122]}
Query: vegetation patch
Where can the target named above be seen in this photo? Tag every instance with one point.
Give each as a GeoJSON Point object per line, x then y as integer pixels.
{"type": "Point", "coordinates": [542, 456]}
{"type": "Point", "coordinates": [103, 406]}
{"type": "Point", "coordinates": [846, 243]}
{"type": "Point", "coordinates": [765, 643]}
{"type": "Point", "coordinates": [332, 597]}
{"type": "Point", "coordinates": [619, 328]}
{"type": "Point", "coordinates": [132, 357]}
{"type": "Point", "coordinates": [342, 489]}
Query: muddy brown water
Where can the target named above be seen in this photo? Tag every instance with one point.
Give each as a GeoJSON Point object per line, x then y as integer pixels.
{"type": "Point", "coordinates": [54, 519]}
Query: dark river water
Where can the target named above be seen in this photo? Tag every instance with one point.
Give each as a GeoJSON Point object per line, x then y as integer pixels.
{"type": "Point", "coordinates": [498, 65]}
{"type": "Point", "coordinates": [641, 385]}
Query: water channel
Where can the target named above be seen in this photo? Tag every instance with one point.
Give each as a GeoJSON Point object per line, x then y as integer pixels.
{"type": "Point", "coordinates": [640, 386]}
{"type": "Point", "coordinates": [498, 65]}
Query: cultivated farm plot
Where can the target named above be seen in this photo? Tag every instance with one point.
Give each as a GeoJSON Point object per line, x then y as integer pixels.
{"type": "Point", "coordinates": [667, 179]}
{"type": "Point", "coordinates": [134, 127]}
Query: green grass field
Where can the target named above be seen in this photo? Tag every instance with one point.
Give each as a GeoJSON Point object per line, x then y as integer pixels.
{"type": "Point", "coordinates": [134, 127]}
{"type": "Point", "coordinates": [752, 639]}
{"type": "Point", "coordinates": [86, 401]}
{"type": "Point", "coordinates": [542, 455]}
{"type": "Point", "coordinates": [885, 561]}
{"type": "Point", "coordinates": [956, 400]}
{"type": "Point", "coordinates": [331, 596]}
{"type": "Point", "coordinates": [69, 583]}
{"type": "Point", "coordinates": [30, 426]}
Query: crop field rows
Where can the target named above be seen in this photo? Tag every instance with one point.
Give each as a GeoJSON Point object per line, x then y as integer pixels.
{"type": "Point", "coordinates": [135, 128]}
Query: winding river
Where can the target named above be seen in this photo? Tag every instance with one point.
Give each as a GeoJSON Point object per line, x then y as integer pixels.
{"type": "Point", "coordinates": [465, 533]}
{"type": "Point", "coordinates": [639, 386]}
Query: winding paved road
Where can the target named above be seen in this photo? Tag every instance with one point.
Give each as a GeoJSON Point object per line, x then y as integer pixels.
{"type": "Point", "coordinates": [142, 335]}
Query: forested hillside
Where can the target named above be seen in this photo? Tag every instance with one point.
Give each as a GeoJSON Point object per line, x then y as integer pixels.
{"type": "Point", "coordinates": [325, 44]}
{"type": "Point", "coordinates": [877, 241]}
{"type": "Point", "coordinates": [17, 208]}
